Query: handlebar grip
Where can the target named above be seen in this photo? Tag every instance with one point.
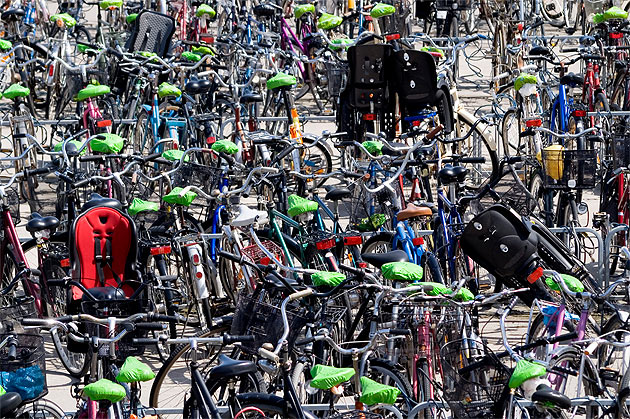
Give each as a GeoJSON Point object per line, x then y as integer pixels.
{"type": "Point", "coordinates": [473, 160]}
{"type": "Point", "coordinates": [400, 332]}
{"type": "Point", "coordinates": [435, 131]}
{"type": "Point", "coordinates": [228, 255]}
{"type": "Point", "coordinates": [229, 159]}
{"type": "Point", "coordinates": [268, 355]}
{"type": "Point", "coordinates": [229, 339]}
{"type": "Point", "coordinates": [63, 319]}
{"type": "Point", "coordinates": [163, 318]}
{"type": "Point", "coordinates": [31, 322]}
{"type": "Point", "coordinates": [514, 159]}
{"type": "Point", "coordinates": [92, 157]}
{"type": "Point", "coordinates": [352, 270]}
{"type": "Point", "coordinates": [150, 326]}
{"type": "Point", "coordinates": [12, 353]}
{"type": "Point", "coordinates": [148, 158]}
{"type": "Point", "coordinates": [305, 341]}
{"type": "Point", "coordinates": [162, 160]}
{"type": "Point", "coordinates": [65, 178]}
{"type": "Point", "coordinates": [115, 52]}
{"type": "Point", "coordinates": [570, 49]}
{"type": "Point", "coordinates": [353, 175]}
{"type": "Point", "coordinates": [301, 294]}
{"type": "Point", "coordinates": [39, 171]}
{"type": "Point", "coordinates": [144, 341]}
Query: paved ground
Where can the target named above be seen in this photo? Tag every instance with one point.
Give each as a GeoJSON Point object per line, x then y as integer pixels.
{"type": "Point", "coordinates": [474, 93]}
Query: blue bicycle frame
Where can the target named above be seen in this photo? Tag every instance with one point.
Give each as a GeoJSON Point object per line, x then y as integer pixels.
{"type": "Point", "coordinates": [561, 109]}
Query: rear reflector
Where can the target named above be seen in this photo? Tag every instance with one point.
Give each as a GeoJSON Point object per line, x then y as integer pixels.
{"type": "Point", "coordinates": [104, 123]}
{"type": "Point", "coordinates": [352, 240]}
{"type": "Point", "coordinates": [161, 250]}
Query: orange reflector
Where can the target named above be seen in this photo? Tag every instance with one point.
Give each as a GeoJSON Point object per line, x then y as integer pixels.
{"type": "Point", "coordinates": [65, 263]}
{"type": "Point", "coordinates": [418, 241]}
{"type": "Point", "coordinates": [161, 250]}
{"type": "Point", "coordinates": [352, 240]}
{"type": "Point", "coordinates": [104, 123]}
{"type": "Point", "coordinates": [533, 123]}
{"type": "Point", "coordinates": [535, 276]}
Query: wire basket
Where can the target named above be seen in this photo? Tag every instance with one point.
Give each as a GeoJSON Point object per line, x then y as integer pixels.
{"type": "Point", "coordinates": [472, 394]}
{"type": "Point", "coordinates": [592, 7]}
{"type": "Point", "coordinates": [11, 316]}
{"type": "Point", "coordinates": [337, 77]}
{"type": "Point", "coordinates": [264, 321]}
{"type": "Point", "coordinates": [13, 200]}
{"type": "Point", "coordinates": [256, 255]}
{"type": "Point", "coordinates": [355, 414]}
{"type": "Point", "coordinates": [569, 169]}
{"type": "Point", "coordinates": [450, 4]}
{"type": "Point", "coordinates": [27, 373]}
{"type": "Point", "coordinates": [511, 190]}
{"type": "Point", "coordinates": [621, 151]}
{"type": "Point", "coordinates": [204, 177]}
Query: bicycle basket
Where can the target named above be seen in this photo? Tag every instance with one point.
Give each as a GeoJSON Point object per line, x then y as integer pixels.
{"type": "Point", "coordinates": [337, 77]}
{"type": "Point", "coordinates": [569, 169]}
{"type": "Point", "coordinates": [592, 7]}
{"type": "Point", "coordinates": [27, 373]}
{"type": "Point", "coordinates": [510, 191]}
{"type": "Point", "coordinates": [621, 151]}
{"type": "Point", "coordinates": [264, 321]}
{"type": "Point", "coordinates": [10, 317]}
{"type": "Point", "coordinates": [200, 175]}
{"type": "Point", "coordinates": [453, 4]}
{"type": "Point", "coordinates": [13, 200]}
{"type": "Point", "coordinates": [472, 394]}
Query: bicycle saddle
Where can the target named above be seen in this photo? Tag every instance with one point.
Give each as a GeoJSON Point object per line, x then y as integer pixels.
{"type": "Point", "coordinates": [250, 98]}
{"type": "Point", "coordinates": [105, 293]}
{"type": "Point", "coordinates": [229, 367]}
{"type": "Point", "coordinates": [39, 223]}
{"type": "Point", "coordinates": [265, 10]}
{"type": "Point", "coordinates": [248, 216]}
{"type": "Point", "coordinates": [337, 194]}
{"type": "Point", "coordinates": [572, 80]}
{"type": "Point", "coordinates": [9, 402]}
{"type": "Point", "coordinates": [539, 50]}
{"type": "Point", "coordinates": [12, 15]}
{"type": "Point", "coordinates": [380, 259]}
{"type": "Point", "coordinates": [452, 174]}
{"type": "Point", "coordinates": [198, 87]}
{"type": "Point", "coordinates": [97, 200]}
{"type": "Point", "coordinates": [414, 211]}
{"type": "Point", "coordinates": [545, 394]}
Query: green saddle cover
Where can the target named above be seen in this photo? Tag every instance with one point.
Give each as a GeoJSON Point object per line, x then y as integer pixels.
{"type": "Point", "coordinates": [281, 80]}
{"type": "Point", "coordinates": [436, 288]}
{"type": "Point", "coordinates": [464, 294]}
{"type": "Point", "coordinates": [15, 90]}
{"type": "Point", "coordinates": [224, 146]}
{"type": "Point", "coordinates": [330, 279]}
{"type": "Point", "coordinates": [299, 205]}
{"type": "Point", "coordinates": [202, 50]}
{"type": "Point", "coordinates": [176, 197]}
{"type": "Point", "coordinates": [402, 271]}
{"type": "Point", "coordinates": [93, 90]}
{"type": "Point", "coordinates": [5, 45]}
{"type": "Point", "coordinates": [372, 223]}
{"type": "Point", "coordinates": [377, 393]}
{"type": "Point", "coordinates": [327, 21]}
{"type": "Point", "coordinates": [615, 13]}
{"type": "Point", "coordinates": [341, 43]}
{"type": "Point", "coordinates": [67, 20]}
{"type": "Point", "coordinates": [133, 371]}
{"type": "Point", "coordinates": [524, 371]}
{"type": "Point", "coordinates": [301, 9]}
{"type": "Point", "coordinates": [174, 155]}
{"type": "Point", "coordinates": [105, 389]}
{"type": "Point", "coordinates": [191, 56]}
{"type": "Point", "coordinates": [382, 9]}
{"type": "Point", "coordinates": [326, 377]}
{"type": "Point", "coordinates": [106, 4]}
{"type": "Point", "coordinates": [131, 18]}
{"type": "Point", "coordinates": [375, 148]}
{"type": "Point", "coordinates": [205, 9]}
{"type": "Point", "coordinates": [83, 48]}
{"type": "Point", "coordinates": [523, 79]}
{"type": "Point", "coordinates": [77, 144]}
{"type": "Point", "coordinates": [138, 206]}
{"type": "Point", "coordinates": [167, 89]}
{"type": "Point", "coordinates": [572, 282]}
{"type": "Point", "coordinates": [107, 143]}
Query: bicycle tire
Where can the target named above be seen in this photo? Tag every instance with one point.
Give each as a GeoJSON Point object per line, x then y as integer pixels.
{"type": "Point", "coordinates": [390, 371]}
{"type": "Point", "coordinates": [269, 404]}
{"type": "Point", "coordinates": [41, 408]}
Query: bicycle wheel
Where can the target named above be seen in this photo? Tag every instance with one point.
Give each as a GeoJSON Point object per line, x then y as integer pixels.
{"type": "Point", "coordinates": [172, 382]}
{"type": "Point", "coordinates": [510, 134]}
{"type": "Point", "coordinates": [261, 405]}
{"type": "Point", "coordinates": [386, 372]}
{"type": "Point", "coordinates": [41, 409]}
{"type": "Point", "coordinates": [9, 271]}
{"type": "Point", "coordinates": [565, 375]}
{"type": "Point", "coordinates": [570, 218]}
{"type": "Point", "coordinates": [479, 144]}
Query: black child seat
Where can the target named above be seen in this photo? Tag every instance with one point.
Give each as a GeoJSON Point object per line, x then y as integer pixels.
{"type": "Point", "coordinates": [413, 76]}
{"type": "Point", "coordinates": [152, 32]}
{"type": "Point", "coordinates": [367, 83]}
